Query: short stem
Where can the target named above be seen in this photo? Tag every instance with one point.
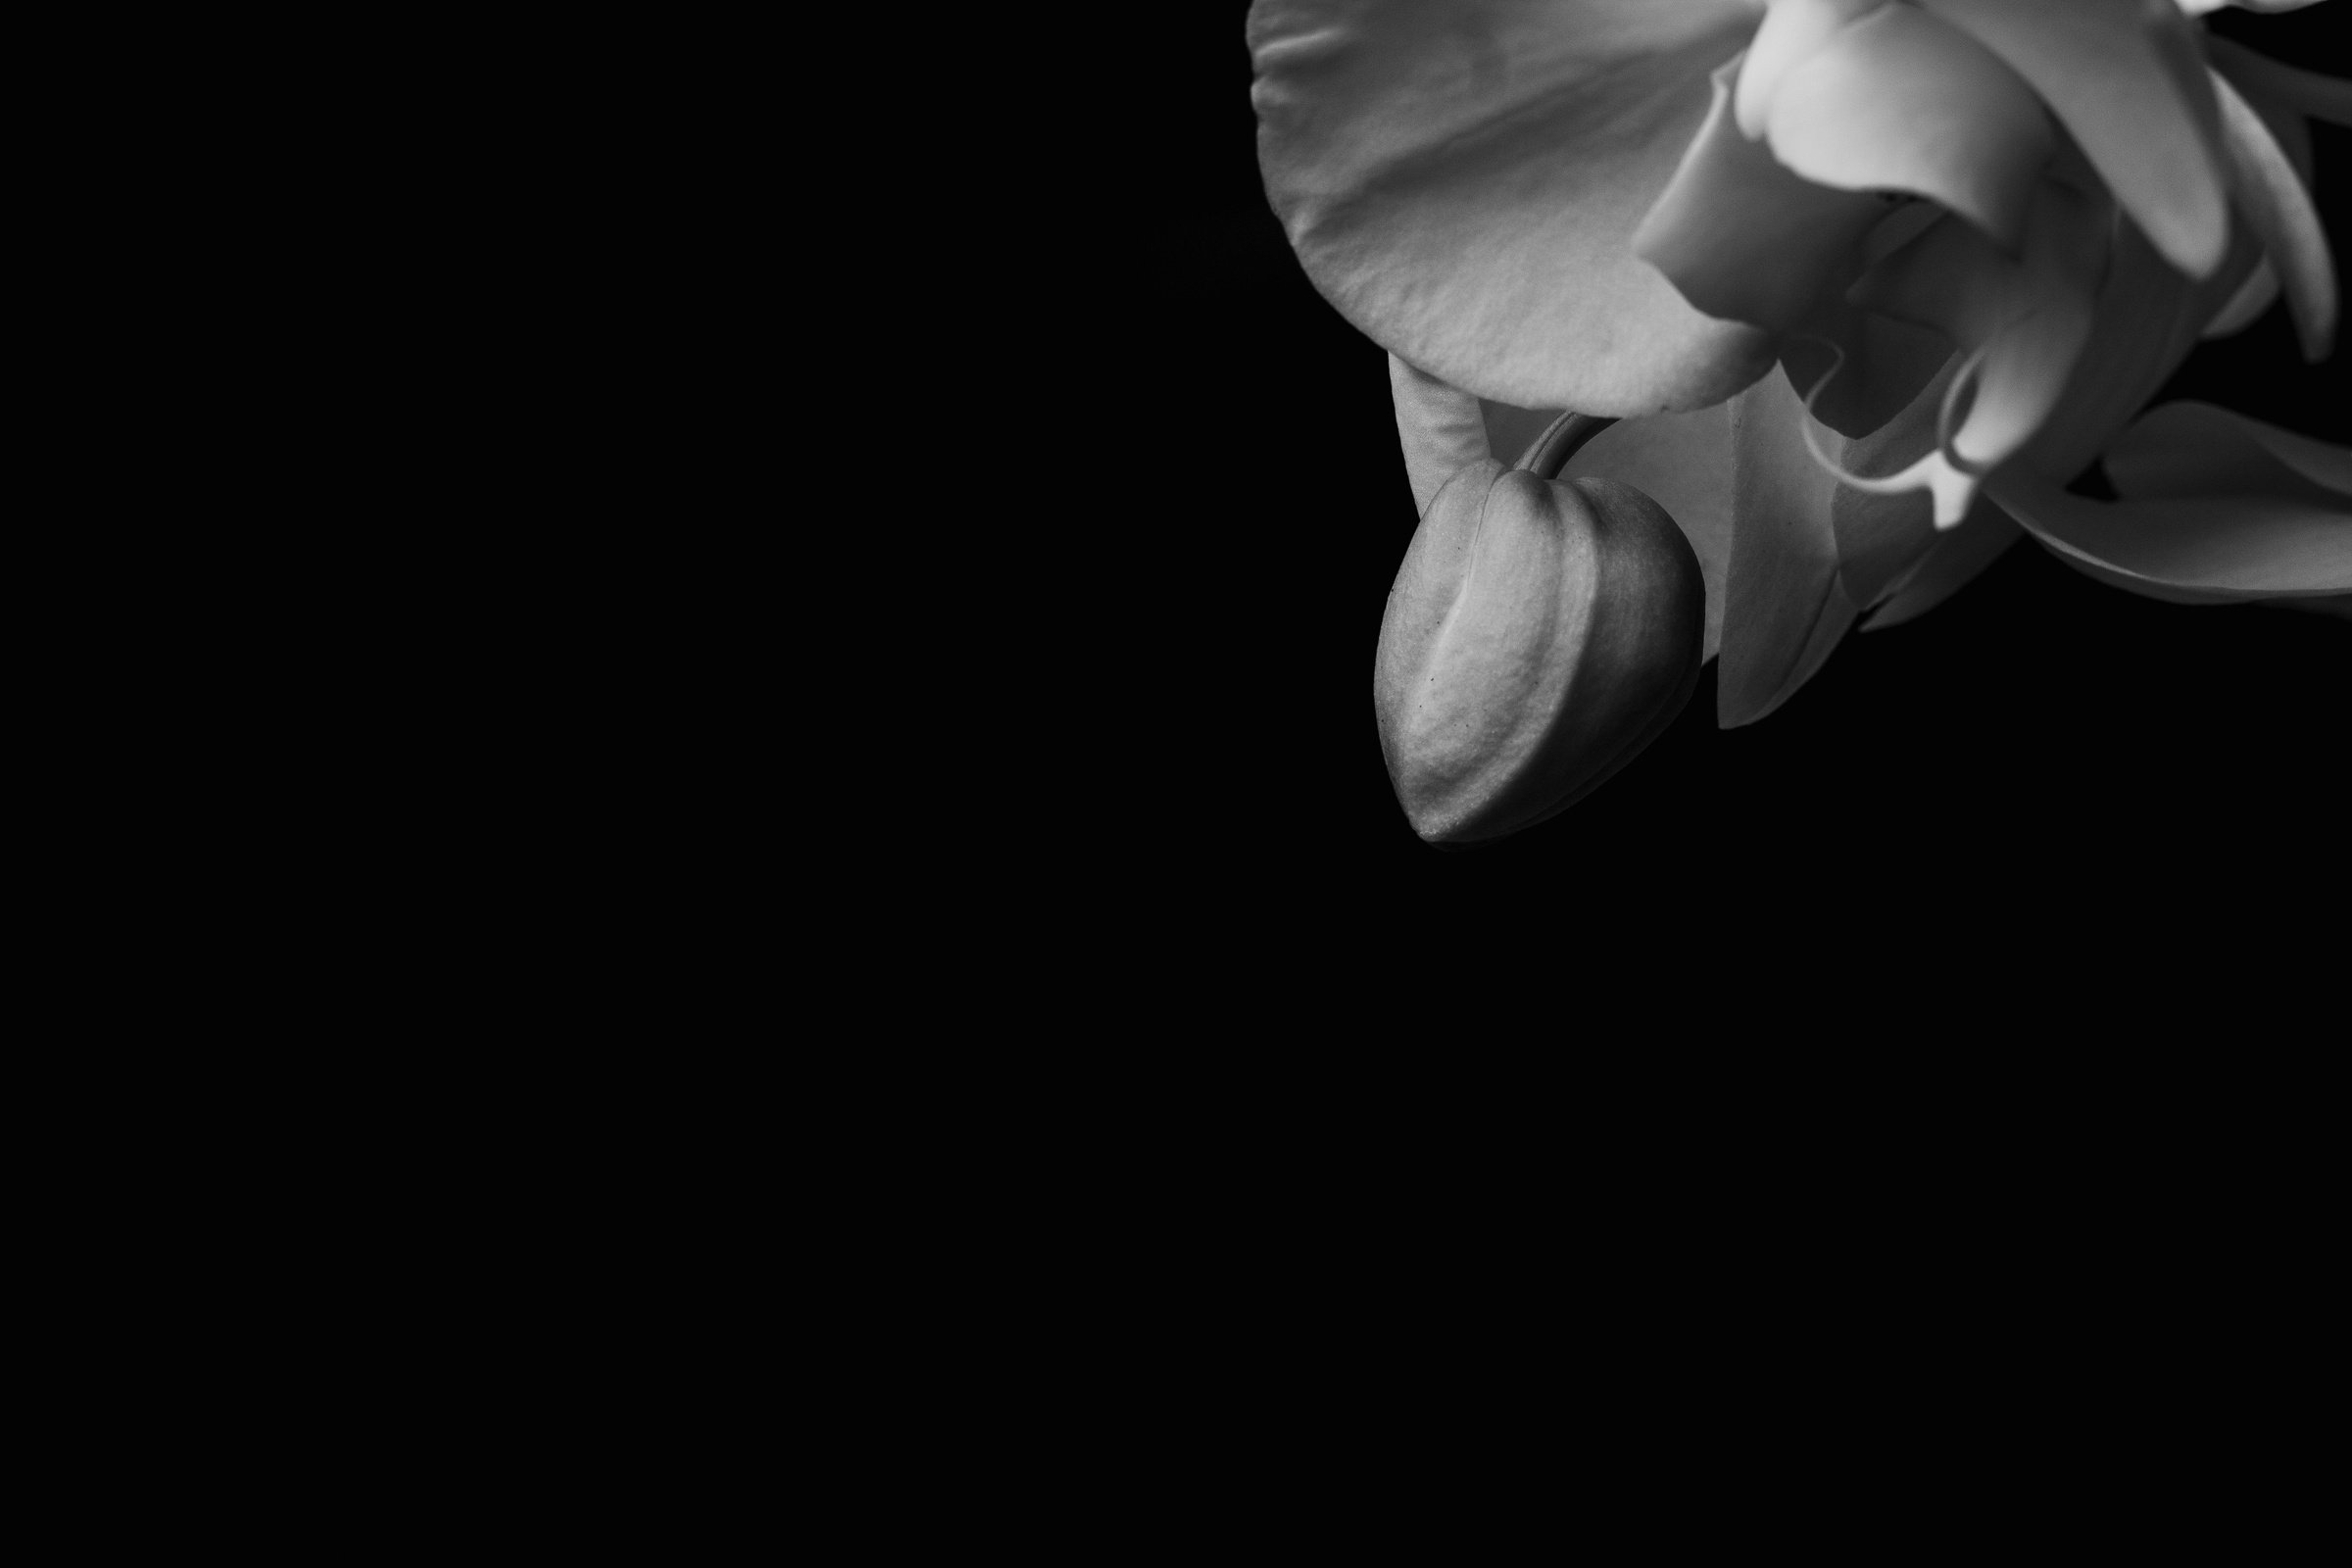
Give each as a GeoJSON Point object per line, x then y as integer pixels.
{"type": "Point", "coordinates": [1559, 442]}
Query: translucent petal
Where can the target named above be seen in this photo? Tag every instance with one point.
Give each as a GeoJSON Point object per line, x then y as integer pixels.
{"type": "Point", "coordinates": [1784, 610]}
{"type": "Point", "coordinates": [2128, 80]}
{"type": "Point", "coordinates": [1463, 181]}
{"type": "Point", "coordinates": [2279, 209]}
{"type": "Point", "coordinates": [1955, 562]}
{"type": "Point", "coordinates": [1900, 101]}
{"type": "Point", "coordinates": [1744, 238]}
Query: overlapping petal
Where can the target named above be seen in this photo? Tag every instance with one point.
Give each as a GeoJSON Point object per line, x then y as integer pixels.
{"type": "Point", "coordinates": [2128, 80]}
{"type": "Point", "coordinates": [1463, 181]}
{"type": "Point", "coordinates": [2260, 78]}
{"type": "Point", "coordinates": [1957, 558]}
{"type": "Point", "coordinates": [1783, 608]}
{"type": "Point", "coordinates": [2196, 449]}
{"type": "Point", "coordinates": [2293, 539]}
{"type": "Point", "coordinates": [2278, 208]}
{"type": "Point", "coordinates": [1899, 100]}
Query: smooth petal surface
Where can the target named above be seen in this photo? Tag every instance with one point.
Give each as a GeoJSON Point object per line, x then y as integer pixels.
{"type": "Point", "coordinates": [1793, 30]}
{"type": "Point", "coordinates": [1463, 181]}
{"type": "Point", "coordinates": [2253, 299]}
{"type": "Point", "coordinates": [1743, 237]}
{"type": "Point", "coordinates": [2194, 448]}
{"type": "Point", "coordinates": [1439, 426]}
{"type": "Point", "coordinates": [2208, 550]}
{"type": "Point", "coordinates": [2279, 209]}
{"type": "Point", "coordinates": [1881, 537]}
{"type": "Point", "coordinates": [1902, 101]}
{"type": "Point", "coordinates": [2128, 80]}
{"type": "Point", "coordinates": [1955, 562]}
{"type": "Point", "coordinates": [1684, 463]}
{"type": "Point", "coordinates": [1784, 610]}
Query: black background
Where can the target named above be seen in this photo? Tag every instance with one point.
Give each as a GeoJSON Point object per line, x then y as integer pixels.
{"type": "Point", "coordinates": [2040, 751]}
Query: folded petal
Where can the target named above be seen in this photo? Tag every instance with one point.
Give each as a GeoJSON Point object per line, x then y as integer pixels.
{"type": "Point", "coordinates": [2279, 209]}
{"type": "Point", "coordinates": [1743, 237]}
{"type": "Point", "coordinates": [1881, 537]}
{"type": "Point", "coordinates": [2258, 76]}
{"type": "Point", "coordinates": [1900, 101]}
{"type": "Point", "coordinates": [2128, 80]}
{"type": "Point", "coordinates": [1440, 427]}
{"type": "Point", "coordinates": [2206, 549]}
{"type": "Point", "coordinates": [2194, 448]}
{"type": "Point", "coordinates": [1463, 181]}
{"type": "Point", "coordinates": [1954, 562]}
{"type": "Point", "coordinates": [1784, 610]}
{"type": "Point", "coordinates": [1684, 463]}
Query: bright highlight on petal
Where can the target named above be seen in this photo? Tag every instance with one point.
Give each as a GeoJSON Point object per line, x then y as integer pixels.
{"type": "Point", "coordinates": [1900, 101]}
{"type": "Point", "coordinates": [2279, 211]}
{"type": "Point", "coordinates": [1792, 30]}
{"type": "Point", "coordinates": [2128, 80]}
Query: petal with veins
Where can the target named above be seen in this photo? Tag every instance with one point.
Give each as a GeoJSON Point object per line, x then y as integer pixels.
{"type": "Point", "coordinates": [1792, 30]}
{"type": "Point", "coordinates": [1743, 237]}
{"type": "Point", "coordinates": [1463, 181]}
{"type": "Point", "coordinates": [1900, 101]}
{"type": "Point", "coordinates": [2279, 209]}
{"type": "Point", "coordinates": [2128, 80]}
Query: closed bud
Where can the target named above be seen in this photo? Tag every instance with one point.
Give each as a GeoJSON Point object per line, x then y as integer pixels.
{"type": "Point", "coordinates": [1540, 634]}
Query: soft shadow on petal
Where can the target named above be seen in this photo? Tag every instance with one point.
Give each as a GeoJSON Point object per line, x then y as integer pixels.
{"type": "Point", "coordinates": [2258, 76]}
{"type": "Point", "coordinates": [2146, 320]}
{"type": "Point", "coordinates": [2206, 549]}
{"type": "Point", "coordinates": [1954, 562]}
{"type": "Point", "coordinates": [1437, 426]}
{"type": "Point", "coordinates": [2248, 305]}
{"type": "Point", "coordinates": [1881, 537]}
{"type": "Point", "coordinates": [2194, 448]}
{"type": "Point", "coordinates": [2279, 209]}
{"type": "Point", "coordinates": [1463, 181]}
{"type": "Point", "coordinates": [2126, 78]}
{"type": "Point", "coordinates": [1900, 101]}
{"type": "Point", "coordinates": [1784, 610]}
{"type": "Point", "coordinates": [1684, 463]}
{"type": "Point", "coordinates": [1743, 237]}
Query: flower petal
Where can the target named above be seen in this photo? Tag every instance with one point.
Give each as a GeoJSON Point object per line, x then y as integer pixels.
{"type": "Point", "coordinates": [1881, 537]}
{"type": "Point", "coordinates": [2258, 76]}
{"type": "Point", "coordinates": [1744, 238]}
{"type": "Point", "coordinates": [2194, 448]}
{"type": "Point", "coordinates": [1439, 426]}
{"type": "Point", "coordinates": [1784, 610]}
{"type": "Point", "coordinates": [2127, 80]}
{"type": "Point", "coordinates": [1464, 183]}
{"type": "Point", "coordinates": [2205, 550]}
{"type": "Point", "coordinates": [1951, 565]}
{"type": "Point", "coordinates": [1900, 101]}
{"type": "Point", "coordinates": [2279, 209]}
{"type": "Point", "coordinates": [1793, 30]}
{"type": "Point", "coordinates": [2248, 305]}
{"type": "Point", "coordinates": [1684, 463]}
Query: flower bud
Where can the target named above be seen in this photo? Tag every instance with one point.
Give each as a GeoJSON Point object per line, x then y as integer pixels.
{"type": "Point", "coordinates": [1540, 634]}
